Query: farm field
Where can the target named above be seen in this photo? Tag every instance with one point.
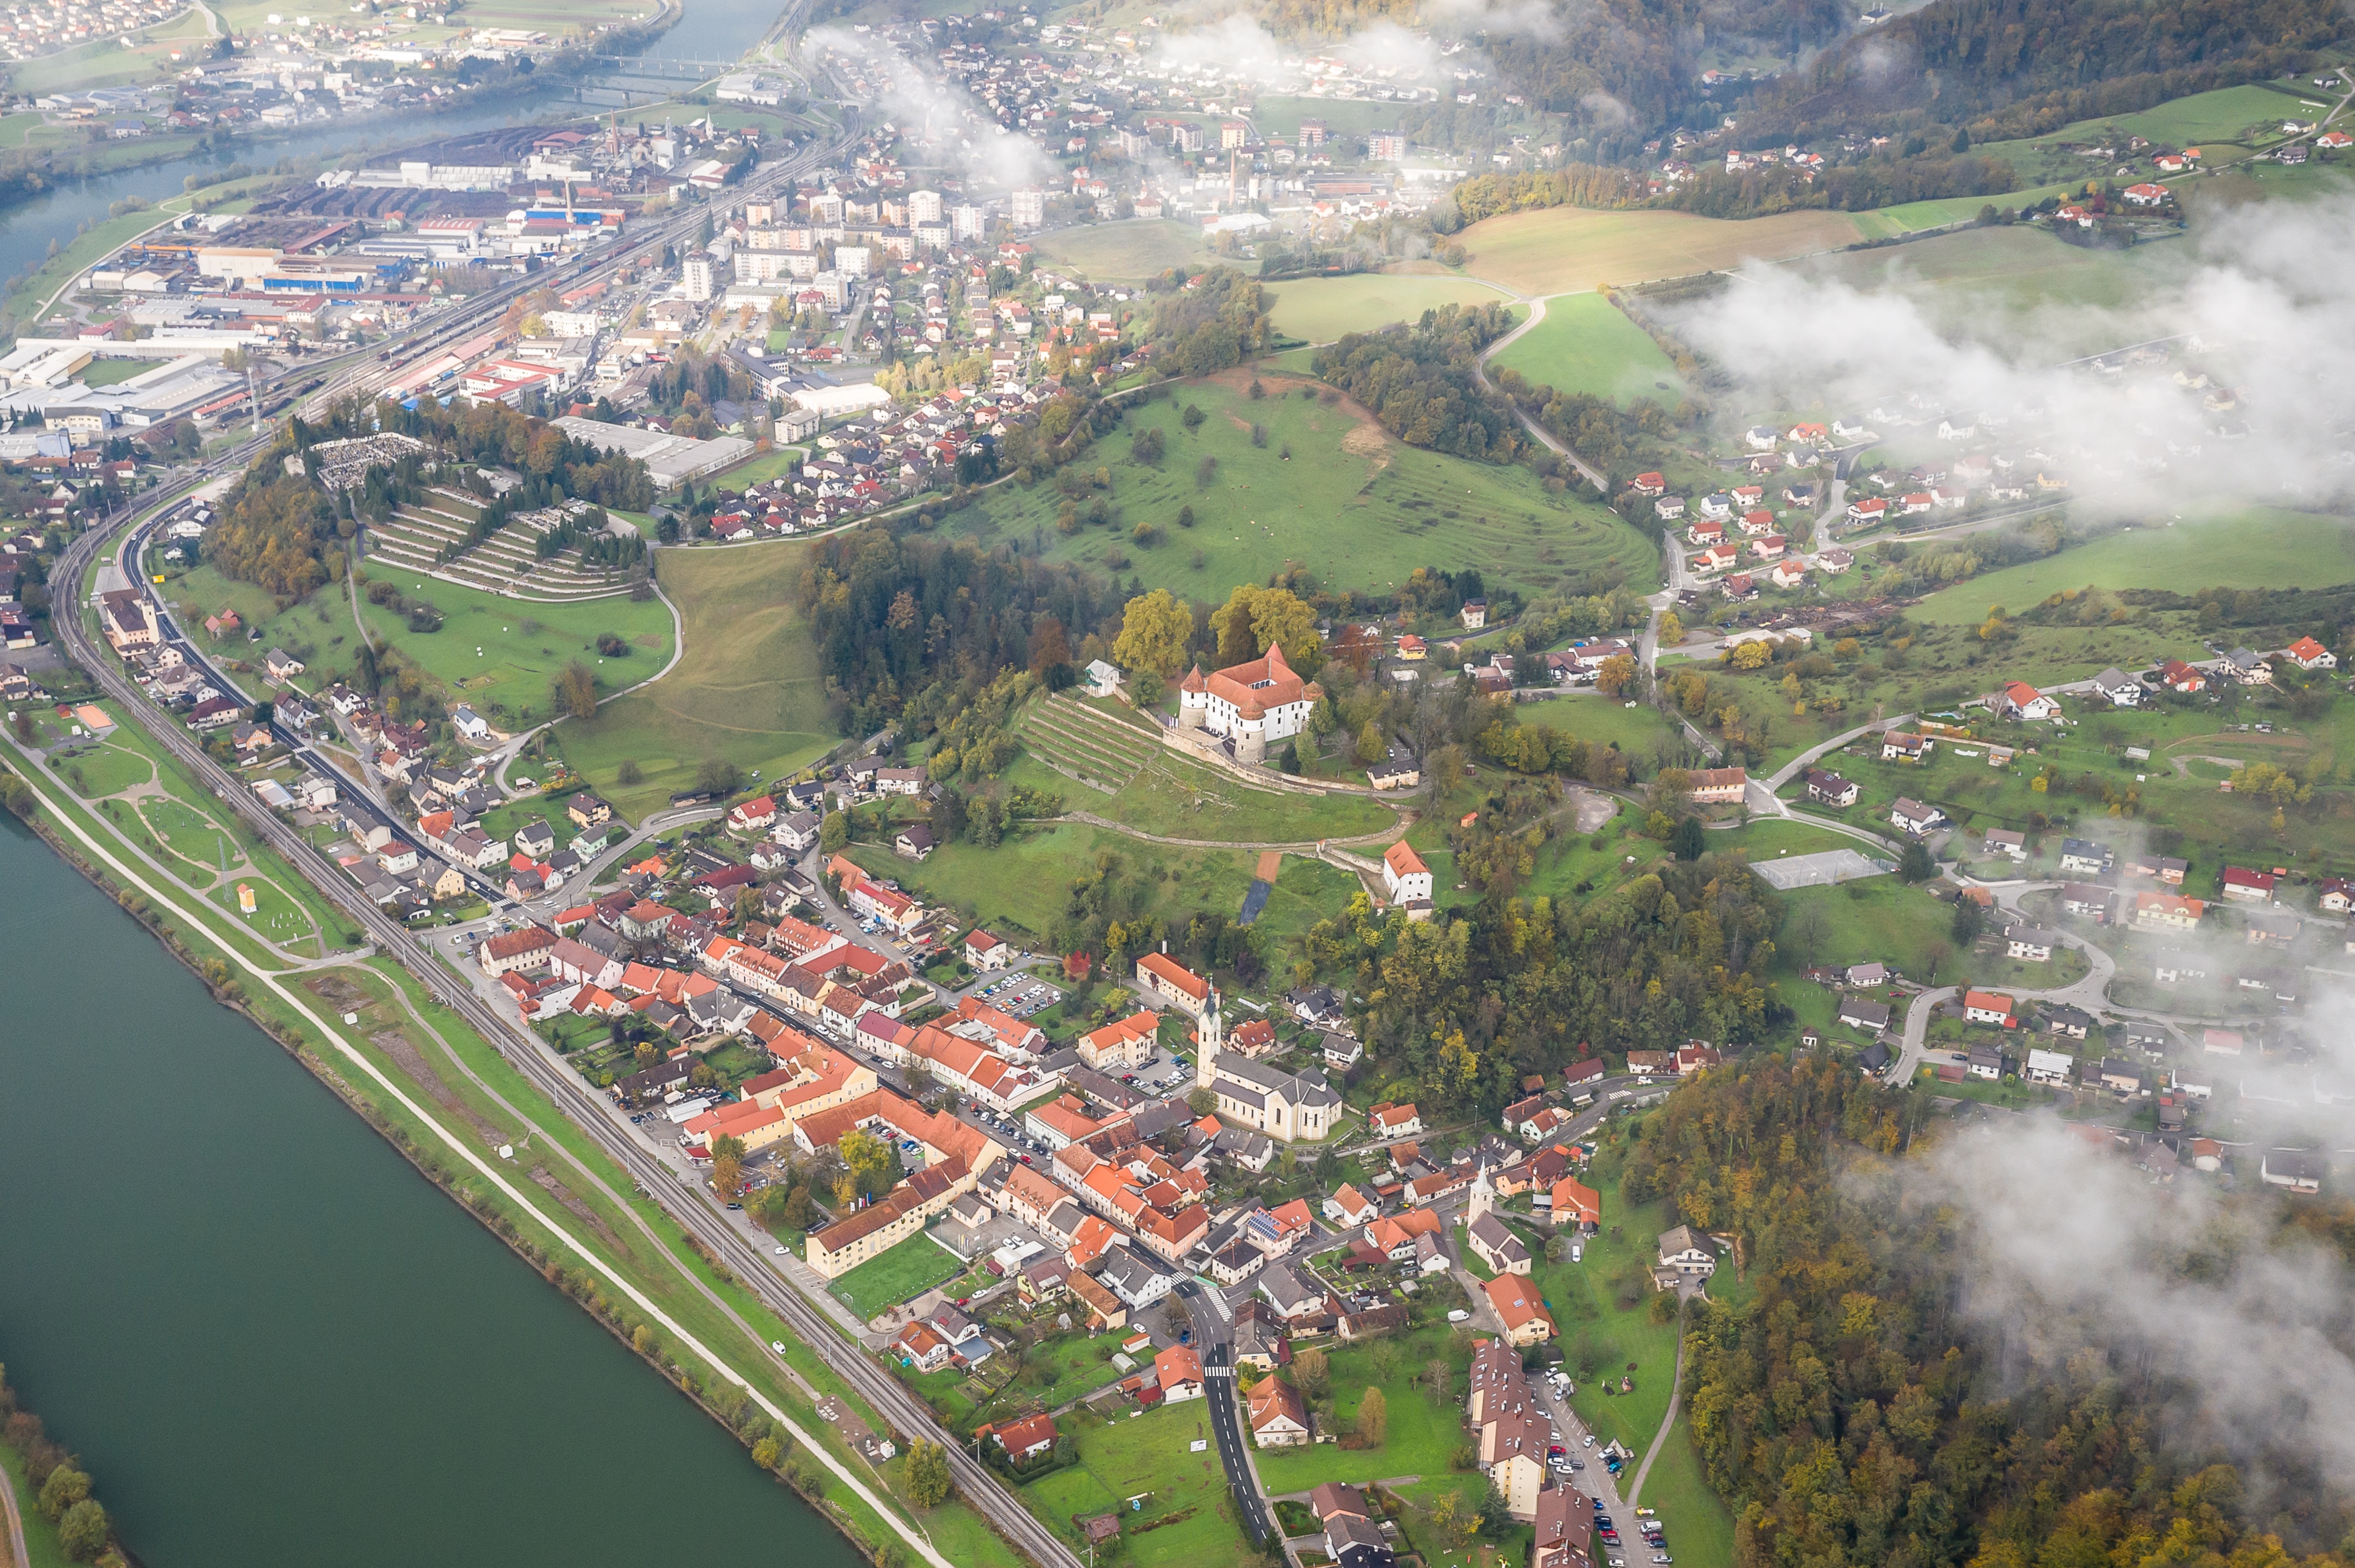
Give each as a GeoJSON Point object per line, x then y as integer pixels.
{"type": "Point", "coordinates": [1563, 249]}
{"type": "Point", "coordinates": [1129, 251]}
{"type": "Point", "coordinates": [745, 689]}
{"type": "Point", "coordinates": [1187, 1514]}
{"type": "Point", "coordinates": [2263, 547]}
{"type": "Point", "coordinates": [1914, 216]}
{"type": "Point", "coordinates": [1354, 507]}
{"type": "Point", "coordinates": [1324, 309]}
{"type": "Point", "coordinates": [1983, 280]}
{"type": "Point", "coordinates": [1584, 343]}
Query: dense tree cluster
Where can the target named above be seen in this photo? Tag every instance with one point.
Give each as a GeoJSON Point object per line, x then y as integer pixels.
{"type": "Point", "coordinates": [1420, 382]}
{"type": "Point", "coordinates": [1212, 321]}
{"type": "Point", "coordinates": [2019, 67]}
{"type": "Point", "coordinates": [1851, 1417]}
{"type": "Point", "coordinates": [893, 615]}
{"type": "Point", "coordinates": [1572, 184]}
{"type": "Point", "coordinates": [1469, 1004]}
{"type": "Point", "coordinates": [1847, 187]}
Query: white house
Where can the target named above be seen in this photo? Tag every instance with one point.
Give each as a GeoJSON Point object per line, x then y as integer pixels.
{"type": "Point", "coordinates": [1405, 878]}
{"type": "Point", "coordinates": [470, 725]}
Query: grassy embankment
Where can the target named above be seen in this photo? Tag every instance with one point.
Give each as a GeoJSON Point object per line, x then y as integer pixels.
{"type": "Point", "coordinates": [1351, 505]}
{"type": "Point", "coordinates": [746, 688]}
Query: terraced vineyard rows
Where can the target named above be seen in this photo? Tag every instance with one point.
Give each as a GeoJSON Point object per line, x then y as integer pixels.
{"type": "Point", "coordinates": [1075, 740]}
{"type": "Point", "coordinates": [508, 563]}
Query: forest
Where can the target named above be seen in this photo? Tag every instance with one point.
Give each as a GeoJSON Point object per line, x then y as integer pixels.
{"type": "Point", "coordinates": [1422, 382]}
{"type": "Point", "coordinates": [2019, 67]}
{"type": "Point", "coordinates": [1208, 322]}
{"type": "Point", "coordinates": [1851, 1412]}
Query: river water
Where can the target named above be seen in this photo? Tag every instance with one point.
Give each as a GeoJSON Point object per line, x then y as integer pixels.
{"type": "Point", "coordinates": [271, 1340]}
{"type": "Point", "coordinates": [712, 30]}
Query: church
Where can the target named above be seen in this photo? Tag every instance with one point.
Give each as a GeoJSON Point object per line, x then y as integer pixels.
{"type": "Point", "coordinates": [1255, 705]}
{"type": "Point", "coordinates": [1290, 1106]}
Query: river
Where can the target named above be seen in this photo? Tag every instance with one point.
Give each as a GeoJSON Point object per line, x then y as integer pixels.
{"type": "Point", "coordinates": [711, 29]}
{"type": "Point", "coordinates": [271, 1340]}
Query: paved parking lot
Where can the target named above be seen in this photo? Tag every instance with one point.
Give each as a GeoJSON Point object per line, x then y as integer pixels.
{"type": "Point", "coordinates": [1021, 995]}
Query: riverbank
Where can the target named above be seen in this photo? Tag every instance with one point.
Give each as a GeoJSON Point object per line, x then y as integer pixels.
{"type": "Point", "coordinates": [646, 1280]}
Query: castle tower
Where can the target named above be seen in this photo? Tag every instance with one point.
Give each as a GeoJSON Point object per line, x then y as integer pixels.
{"type": "Point", "coordinates": [1208, 1037]}
{"type": "Point", "coordinates": [1481, 1199]}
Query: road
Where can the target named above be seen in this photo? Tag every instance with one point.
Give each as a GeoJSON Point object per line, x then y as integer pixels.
{"type": "Point", "coordinates": [17, 1556]}
{"type": "Point", "coordinates": [1592, 475]}
{"type": "Point", "coordinates": [2090, 994]}
{"type": "Point", "coordinates": [1216, 1348]}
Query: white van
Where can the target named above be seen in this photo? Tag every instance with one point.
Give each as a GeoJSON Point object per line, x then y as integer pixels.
{"type": "Point", "coordinates": [1459, 1316]}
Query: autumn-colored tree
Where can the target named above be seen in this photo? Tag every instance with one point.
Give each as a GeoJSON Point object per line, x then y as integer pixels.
{"type": "Point", "coordinates": [1049, 645]}
{"type": "Point", "coordinates": [1153, 631]}
{"type": "Point", "coordinates": [1255, 619]}
{"type": "Point", "coordinates": [575, 690]}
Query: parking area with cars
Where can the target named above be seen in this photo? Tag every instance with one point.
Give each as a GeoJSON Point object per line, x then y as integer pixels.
{"type": "Point", "coordinates": [1020, 996]}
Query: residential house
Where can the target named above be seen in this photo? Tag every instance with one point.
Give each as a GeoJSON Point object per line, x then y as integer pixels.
{"type": "Point", "coordinates": [2085, 857]}
{"type": "Point", "coordinates": [2032, 944]}
{"type": "Point", "coordinates": [1519, 1307]}
{"type": "Point", "coordinates": [1913, 818]}
{"type": "Point", "coordinates": [2051, 1067]}
{"type": "Point", "coordinates": [1406, 881]}
{"type": "Point", "coordinates": [1988, 1008]}
{"type": "Point", "coordinates": [2005, 841]}
{"type": "Point", "coordinates": [2167, 911]}
{"type": "Point", "coordinates": [2244, 886]}
{"type": "Point", "coordinates": [1279, 1419]}
{"type": "Point", "coordinates": [1688, 1252]}
{"type": "Point", "coordinates": [1830, 789]}
{"type": "Point", "coordinates": [1905, 746]}
{"type": "Point", "coordinates": [2021, 701]}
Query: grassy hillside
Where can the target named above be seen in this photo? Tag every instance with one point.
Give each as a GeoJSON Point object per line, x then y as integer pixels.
{"type": "Point", "coordinates": [1322, 309]}
{"type": "Point", "coordinates": [2264, 547]}
{"type": "Point", "coordinates": [1351, 505]}
{"type": "Point", "coordinates": [1563, 249]}
{"type": "Point", "coordinates": [745, 689]}
{"type": "Point", "coordinates": [1585, 345]}
{"type": "Point", "coordinates": [1989, 281]}
{"type": "Point", "coordinates": [497, 654]}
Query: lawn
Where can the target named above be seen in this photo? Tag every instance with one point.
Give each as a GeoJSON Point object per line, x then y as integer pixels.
{"type": "Point", "coordinates": [1423, 1436]}
{"type": "Point", "coordinates": [1585, 343]}
{"type": "Point", "coordinates": [1599, 1335]}
{"type": "Point", "coordinates": [496, 653]}
{"type": "Point", "coordinates": [1563, 249]}
{"type": "Point", "coordinates": [107, 769]}
{"type": "Point", "coordinates": [1282, 115]}
{"type": "Point", "coordinates": [908, 1270]}
{"type": "Point", "coordinates": [1639, 731]}
{"type": "Point", "coordinates": [1354, 509]}
{"type": "Point", "coordinates": [1022, 884]}
{"type": "Point", "coordinates": [276, 917]}
{"type": "Point", "coordinates": [1322, 309]}
{"type": "Point", "coordinates": [1699, 1526]}
{"type": "Point", "coordinates": [1127, 252]}
{"type": "Point", "coordinates": [2264, 547]}
{"type": "Point", "coordinates": [1188, 1514]}
{"type": "Point", "coordinates": [1176, 797]}
{"type": "Point", "coordinates": [1876, 918]}
{"type": "Point", "coordinates": [1912, 216]}
{"type": "Point", "coordinates": [745, 689]}
{"type": "Point", "coordinates": [754, 470]}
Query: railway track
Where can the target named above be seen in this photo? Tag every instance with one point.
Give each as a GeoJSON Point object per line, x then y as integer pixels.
{"type": "Point", "coordinates": [692, 1208]}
